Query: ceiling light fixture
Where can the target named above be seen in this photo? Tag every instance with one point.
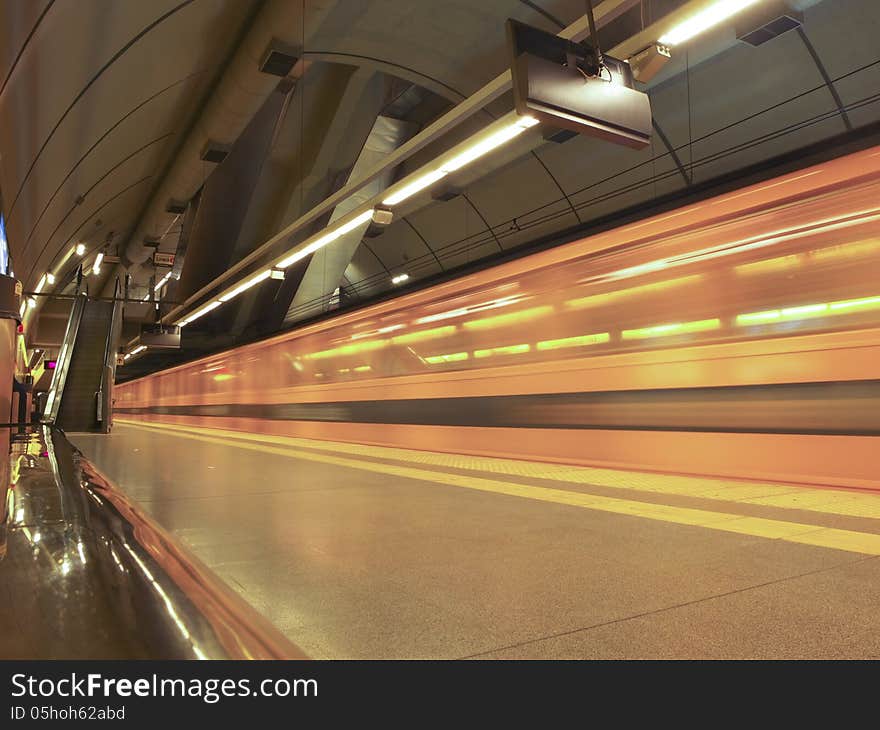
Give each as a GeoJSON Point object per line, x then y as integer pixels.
{"type": "Point", "coordinates": [80, 249]}
{"type": "Point", "coordinates": [96, 268]}
{"type": "Point", "coordinates": [711, 16]}
{"type": "Point", "coordinates": [454, 162]}
{"type": "Point", "coordinates": [493, 141]}
{"type": "Point", "coordinates": [420, 183]}
{"type": "Point", "coordinates": [247, 284]}
{"type": "Point", "coordinates": [50, 278]}
{"type": "Point", "coordinates": [326, 238]}
{"type": "Point", "coordinates": [465, 157]}
{"type": "Point", "coordinates": [199, 313]}
{"type": "Point", "coordinates": [161, 283]}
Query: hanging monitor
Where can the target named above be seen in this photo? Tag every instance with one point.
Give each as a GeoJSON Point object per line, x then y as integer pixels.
{"type": "Point", "coordinates": [556, 81]}
{"type": "Point", "coordinates": [160, 335]}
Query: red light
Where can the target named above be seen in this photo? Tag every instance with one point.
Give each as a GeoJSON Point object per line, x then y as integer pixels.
{"type": "Point", "coordinates": [21, 329]}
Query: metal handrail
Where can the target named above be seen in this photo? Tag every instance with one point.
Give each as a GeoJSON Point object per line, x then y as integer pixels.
{"type": "Point", "coordinates": [65, 356]}
{"type": "Point", "coordinates": [104, 395]}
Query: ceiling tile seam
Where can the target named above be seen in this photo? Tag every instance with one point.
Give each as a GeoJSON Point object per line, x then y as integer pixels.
{"type": "Point", "coordinates": [820, 67]}
{"type": "Point", "coordinates": [541, 11]}
{"type": "Point", "coordinates": [673, 153]}
{"type": "Point", "coordinates": [418, 74]}
{"type": "Point", "coordinates": [121, 52]}
{"type": "Point", "coordinates": [99, 209]}
{"type": "Point", "coordinates": [98, 142]}
{"type": "Point", "coordinates": [556, 183]}
{"type": "Point", "coordinates": [24, 46]}
{"type": "Point", "coordinates": [375, 256]}
{"type": "Point", "coordinates": [86, 193]}
{"type": "Point", "coordinates": [482, 218]}
{"type": "Point", "coordinates": [423, 240]}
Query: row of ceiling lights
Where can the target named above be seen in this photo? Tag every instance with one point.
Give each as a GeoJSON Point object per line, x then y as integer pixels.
{"type": "Point", "coordinates": [428, 175]}
{"type": "Point", "coordinates": [49, 278]}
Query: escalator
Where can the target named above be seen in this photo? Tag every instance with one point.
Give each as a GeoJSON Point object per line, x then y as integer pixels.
{"type": "Point", "coordinates": [81, 392]}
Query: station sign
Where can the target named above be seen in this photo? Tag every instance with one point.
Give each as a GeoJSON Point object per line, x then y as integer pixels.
{"type": "Point", "coordinates": [163, 259]}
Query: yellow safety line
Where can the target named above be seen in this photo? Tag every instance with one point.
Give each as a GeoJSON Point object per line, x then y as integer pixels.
{"type": "Point", "coordinates": [825, 501]}
{"type": "Point", "coordinates": [848, 540]}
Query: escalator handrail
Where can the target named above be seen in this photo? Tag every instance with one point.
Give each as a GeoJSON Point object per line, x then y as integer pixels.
{"type": "Point", "coordinates": [65, 356]}
{"type": "Point", "coordinates": [108, 369]}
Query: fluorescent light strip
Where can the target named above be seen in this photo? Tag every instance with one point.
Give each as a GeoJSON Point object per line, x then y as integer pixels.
{"type": "Point", "coordinates": [420, 183]}
{"type": "Point", "coordinates": [505, 134]}
{"type": "Point", "coordinates": [247, 284]}
{"type": "Point", "coordinates": [716, 13]}
{"type": "Point", "coordinates": [468, 155]}
{"type": "Point", "coordinates": [96, 268]}
{"type": "Point", "coordinates": [136, 350]}
{"type": "Point", "coordinates": [293, 258]}
{"type": "Point", "coordinates": [331, 235]}
{"type": "Point", "coordinates": [40, 284]}
{"type": "Point", "coordinates": [200, 313]}
{"type": "Point", "coordinates": [161, 283]}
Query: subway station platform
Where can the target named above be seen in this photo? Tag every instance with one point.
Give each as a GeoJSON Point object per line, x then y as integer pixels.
{"type": "Point", "coordinates": [356, 551]}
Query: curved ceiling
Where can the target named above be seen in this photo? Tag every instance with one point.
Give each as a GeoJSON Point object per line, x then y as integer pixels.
{"type": "Point", "coordinates": [94, 104]}
{"type": "Point", "coordinates": [97, 98]}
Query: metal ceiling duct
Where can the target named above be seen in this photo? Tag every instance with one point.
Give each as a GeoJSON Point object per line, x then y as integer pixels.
{"type": "Point", "coordinates": [238, 96]}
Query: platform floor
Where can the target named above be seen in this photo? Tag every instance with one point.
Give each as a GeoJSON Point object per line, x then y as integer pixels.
{"type": "Point", "coordinates": [368, 552]}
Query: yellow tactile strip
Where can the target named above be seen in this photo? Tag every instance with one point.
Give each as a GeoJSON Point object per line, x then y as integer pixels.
{"type": "Point", "coordinates": [848, 540]}
{"type": "Point", "coordinates": [767, 494]}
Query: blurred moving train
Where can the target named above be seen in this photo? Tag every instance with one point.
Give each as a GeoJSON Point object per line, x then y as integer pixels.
{"type": "Point", "coordinates": [738, 336]}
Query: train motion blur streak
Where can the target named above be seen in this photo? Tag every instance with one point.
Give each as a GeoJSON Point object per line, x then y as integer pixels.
{"type": "Point", "coordinates": [738, 336]}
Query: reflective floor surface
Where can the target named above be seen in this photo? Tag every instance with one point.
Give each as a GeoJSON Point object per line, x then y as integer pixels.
{"type": "Point", "coordinates": [367, 552]}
